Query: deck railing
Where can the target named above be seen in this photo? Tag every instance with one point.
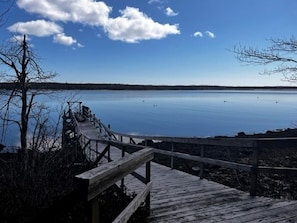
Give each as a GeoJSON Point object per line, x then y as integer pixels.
{"type": "Point", "coordinates": [256, 145]}
{"type": "Point", "coordinates": [95, 181]}
{"type": "Point", "coordinates": [98, 179]}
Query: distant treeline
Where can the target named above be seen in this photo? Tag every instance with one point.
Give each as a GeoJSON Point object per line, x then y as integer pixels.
{"type": "Point", "coordinates": [90, 86]}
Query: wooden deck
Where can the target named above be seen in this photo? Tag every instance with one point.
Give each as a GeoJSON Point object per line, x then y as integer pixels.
{"type": "Point", "coordinates": [180, 197]}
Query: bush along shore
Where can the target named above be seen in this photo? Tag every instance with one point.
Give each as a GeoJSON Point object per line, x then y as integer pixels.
{"type": "Point", "coordinates": [39, 187]}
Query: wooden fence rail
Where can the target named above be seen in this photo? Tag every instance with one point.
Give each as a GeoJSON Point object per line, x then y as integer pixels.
{"type": "Point", "coordinates": [255, 144]}
{"type": "Point", "coordinates": [95, 181]}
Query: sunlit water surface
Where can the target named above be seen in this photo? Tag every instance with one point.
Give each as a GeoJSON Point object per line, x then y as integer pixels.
{"type": "Point", "coordinates": [193, 113]}
{"type": "Point", "coordinates": [190, 113]}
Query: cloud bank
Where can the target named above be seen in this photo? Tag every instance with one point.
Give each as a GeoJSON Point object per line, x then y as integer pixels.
{"type": "Point", "coordinates": [131, 26]}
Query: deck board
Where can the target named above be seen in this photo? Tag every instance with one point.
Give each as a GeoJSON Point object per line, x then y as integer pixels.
{"type": "Point", "coordinates": [180, 197]}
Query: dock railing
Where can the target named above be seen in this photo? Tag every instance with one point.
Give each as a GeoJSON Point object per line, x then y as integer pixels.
{"type": "Point", "coordinates": [255, 145]}
{"type": "Point", "coordinates": [97, 180]}
{"type": "Point", "coordinates": [93, 182]}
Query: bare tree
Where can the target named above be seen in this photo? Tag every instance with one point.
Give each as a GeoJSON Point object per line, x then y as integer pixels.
{"type": "Point", "coordinates": [23, 70]}
{"type": "Point", "coordinates": [281, 53]}
{"type": "Point", "coordinates": [4, 10]}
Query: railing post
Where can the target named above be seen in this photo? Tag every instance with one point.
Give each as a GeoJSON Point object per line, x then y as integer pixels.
{"type": "Point", "coordinates": [90, 147]}
{"type": "Point", "coordinates": [201, 173]}
{"type": "Point", "coordinates": [80, 108]}
{"type": "Point", "coordinates": [148, 179]}
{"type": "Point", "coordinates": [254, 170]}
{"type": "Point", "coordinates": [94, 215]}
{"type": "Point", "coordinates": [108, 154]}
{"type": "Point", "coordinates": [171, 157]}
{"type": "Point", "coordinates": [123, 179]}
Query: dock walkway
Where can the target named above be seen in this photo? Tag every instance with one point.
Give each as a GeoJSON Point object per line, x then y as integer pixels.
{"type": "Point", "coordinates": [180, 197]}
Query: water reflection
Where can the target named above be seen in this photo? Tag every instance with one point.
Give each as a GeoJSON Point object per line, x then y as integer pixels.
{"type": "Point", "coordinates": [189, 113]}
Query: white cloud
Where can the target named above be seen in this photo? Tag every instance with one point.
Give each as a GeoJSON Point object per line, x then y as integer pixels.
{"type": "Point", "coordinates": [38, 28]}
{"type": "Point", "coordinates": [80, 45]}
{"type": "Point", "coordinates": [155, 1]}
{"type": "Point", "coordinates": [133, 26]}
{"type": "Point", "coordinates": [210, 34]}
{"type": "Point", "coordinates": [170, 12]}
{"type": "Point", "coordinates": [198, 34]}
{"type": "Point", "coordinates": [61, 38]}
{"type": "Point", "coordinates": [79, 11]}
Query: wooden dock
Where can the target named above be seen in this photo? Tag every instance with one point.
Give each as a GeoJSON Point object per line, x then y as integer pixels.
{"type": "Point", "coordinates": [180, 197]}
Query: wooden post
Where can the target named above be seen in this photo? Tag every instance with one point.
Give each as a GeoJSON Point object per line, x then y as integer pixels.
{"type": "Point", "coordinates": [123, 179]}
{"type": "Point", "coordinates": [148, 179]}
{"type": "Point", "coordinates": [201, 173]}
{"type": "Point", "coordinates": [80, 108]}
{"type": "Point", "coordinates": [171, 157]}
{"type": "Point", "coordinates": [108, 154]}
{"type": "Point", "coordinates": [254, 170]}
{"type": "Point", "coordinates": [95, 211]}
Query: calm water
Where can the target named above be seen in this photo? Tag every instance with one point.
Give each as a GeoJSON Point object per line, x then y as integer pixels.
{"type": "Point", "coordinates": [193, 113]}
{"type": "Point", "coordinates": [190, 113]}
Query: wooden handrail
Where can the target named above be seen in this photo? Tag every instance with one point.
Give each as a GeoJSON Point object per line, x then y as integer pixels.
{"type": "Point", "coordinates": [95, 181]}
{"type": "Point", "coordinates": [255, 144]}
{"type": "Point", "coordinates": [205, 160]}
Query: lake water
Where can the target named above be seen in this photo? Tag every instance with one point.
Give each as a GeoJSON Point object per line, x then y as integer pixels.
{"type": "Point", "coordinates": [190, 113]}
{"type": "Point", "coordinates": [193, 113]}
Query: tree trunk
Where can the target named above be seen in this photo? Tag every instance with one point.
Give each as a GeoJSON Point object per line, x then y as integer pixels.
{"type": "Point", "coordinates": [24, 90]}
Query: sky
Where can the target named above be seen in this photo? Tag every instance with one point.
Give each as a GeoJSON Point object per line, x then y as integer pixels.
{"type": "Point", "coordinates": [160, 42]}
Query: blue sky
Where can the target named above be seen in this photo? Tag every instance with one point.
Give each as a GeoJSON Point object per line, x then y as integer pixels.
{"type": "Point", "coordinates": [151, 41]}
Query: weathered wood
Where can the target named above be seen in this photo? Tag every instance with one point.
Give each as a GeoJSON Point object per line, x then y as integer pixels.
{"type": "Point", "coordinates": [201, 173]}
{"type": "Point", "coordinates": [254, 171]}
{"type": "Point", "coordinates": [171, 157]}
{"type": "Point", "coordinates": [134, 204]}
{"type": "Point", "coordinates": [233, 142]}
{"type": "Point", "coordinates": [180, 197]}
{"type": "Point", "coordinates": [148, 180]}
{"type": "Point", "coordinates": [277, 170]}
{"type": "Point", "coordinates": [278, 143]}
{"type": "Point", "coordinates": [104, 176]}
{"type": "Point", "coordinates": [206, 160]}
{"type": "Point", "coordinates": [95, 211]}
{"type": "Point", "coordinates": [185, 198]}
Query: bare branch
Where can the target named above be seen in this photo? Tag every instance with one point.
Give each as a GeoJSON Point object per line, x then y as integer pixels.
{"type": "Point", "coordinates": [5, 11]}
{"type": "Point", "coordinates": [281, 53]}
{"type": "Point", "coordinates": [23, 63]}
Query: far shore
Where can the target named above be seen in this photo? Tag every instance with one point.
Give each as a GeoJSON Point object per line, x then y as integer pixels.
{"type": "Point", "coordinates": [97, 86]}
